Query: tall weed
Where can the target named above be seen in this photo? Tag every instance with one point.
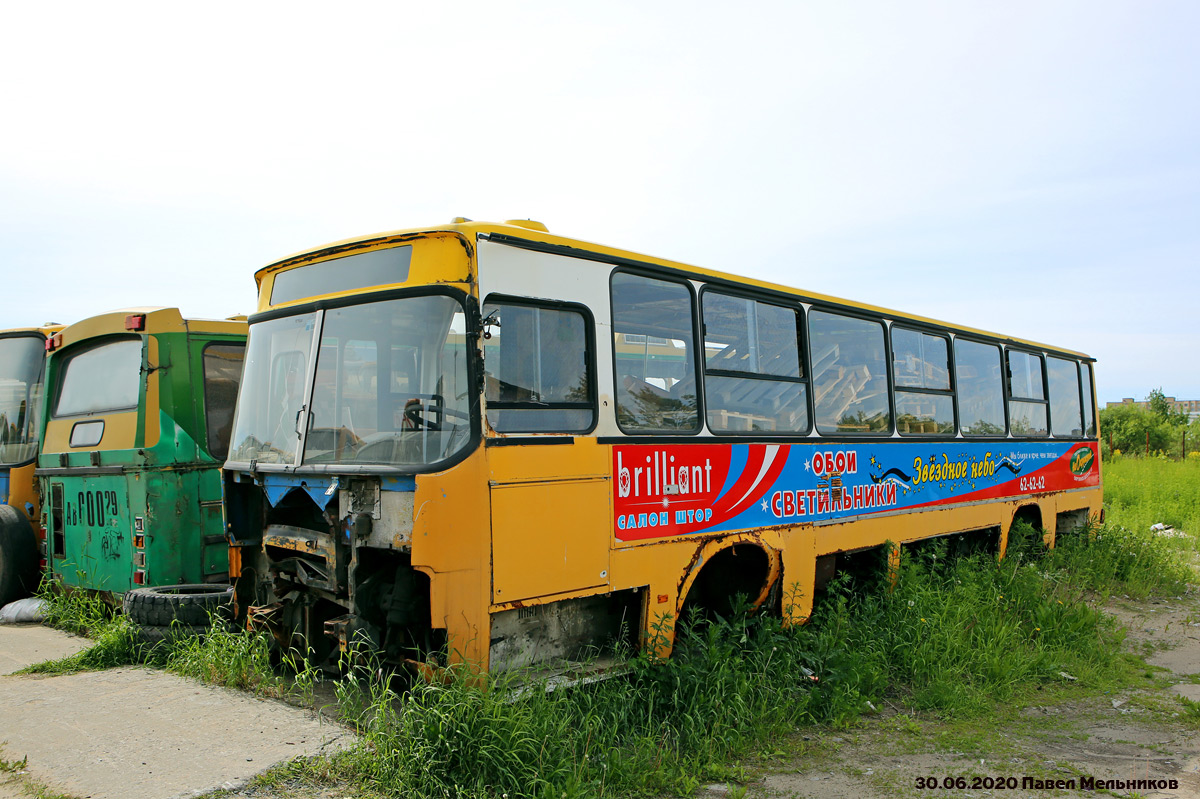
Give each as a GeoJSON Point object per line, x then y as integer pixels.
{"type": "Point", "coordinates": [950, 637]}
{"type": "Point", "coordinates": [87, 614]}
{"type": "Point", "coordinates": [1112, 558]}
{"type": "Point", "coordinates": [664, 726]}
{"type": "Point", "coordinates": [231, 658]}
{"type": "Point", "coordinates": [1140, 492]}
{"type": "Point", "coordinates": [1126, 554]}
{"type": "Point", "coordinates": [114, 644]}
{"type": "Point", "coordinates": [75, 611]}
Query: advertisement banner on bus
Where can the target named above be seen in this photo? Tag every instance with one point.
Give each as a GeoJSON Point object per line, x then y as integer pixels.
{"type": "Point", "coordinates": [670, 490]}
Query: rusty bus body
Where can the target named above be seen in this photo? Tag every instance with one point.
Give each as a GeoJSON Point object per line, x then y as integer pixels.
{"type": "Point", "coordinates": [488, 444]}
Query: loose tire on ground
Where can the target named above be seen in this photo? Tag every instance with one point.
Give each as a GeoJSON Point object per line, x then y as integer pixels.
{"type": "Point", "coordinates": [190, 605]}
{"type": "Point", "coordinates": [154, 635]}
{"type": "Point", "coordinates": [18, 555]}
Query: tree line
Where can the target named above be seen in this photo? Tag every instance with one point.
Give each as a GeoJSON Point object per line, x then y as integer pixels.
{"type": "Point", "coordinates": [1154, 427]}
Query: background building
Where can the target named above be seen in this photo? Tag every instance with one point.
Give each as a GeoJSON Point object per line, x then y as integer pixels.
{"type": "Point", "coordinates": [1190, 407]}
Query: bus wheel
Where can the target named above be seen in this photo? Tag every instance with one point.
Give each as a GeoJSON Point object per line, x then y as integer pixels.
{"type": "Point", "coordinates": [18, 555]}
{"type": "Point", "coordinates": [189, 605]}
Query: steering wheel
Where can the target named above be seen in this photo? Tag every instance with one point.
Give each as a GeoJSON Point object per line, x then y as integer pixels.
{"type": "Point", "coordinates": [414, 414]}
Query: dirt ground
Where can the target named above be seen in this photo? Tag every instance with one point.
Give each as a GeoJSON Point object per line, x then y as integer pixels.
{"type": "Point", "coordinates": [1145, 735]}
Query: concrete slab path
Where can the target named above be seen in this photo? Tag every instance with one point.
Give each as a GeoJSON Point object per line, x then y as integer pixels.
{"type": "Point", "coordinates": [23, 645]}
{"type": "Point", "coordinates": [137, 732]}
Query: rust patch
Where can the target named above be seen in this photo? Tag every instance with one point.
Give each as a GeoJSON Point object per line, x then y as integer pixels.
{"type": "Point", "coordinates": [266, 617]}
{"type": "Point", "coordinates": [340, 629]}
{"type": "Point", "coordinates": [693, 564]}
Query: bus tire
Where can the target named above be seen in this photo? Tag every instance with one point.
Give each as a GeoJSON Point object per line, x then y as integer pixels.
{"type": "Point", "coordinates": [155, 635]}
{"type": "Point", "coordinates": [18, 555]}
{"type": "Point", "coordinates": [189, 605]}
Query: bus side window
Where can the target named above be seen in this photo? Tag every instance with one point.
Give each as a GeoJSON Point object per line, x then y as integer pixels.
{"type": "Point", "coordinates": [653, 337]}
{"type": "Point", "coordinates": [537, 369]}
{"type": "Point", "coordinates": [753, 377]}
{"type": "Point", "coordinates": [980, 388]}
{"type": "Point", "coordinates": [222, 372]}
{"type": "Point", "coordinates": [1065, 417]}
{"type": "Point", "coordinates": [849, 369]}
{"type": "Point", "coordinates": [1089, 407]}
{"type": "Point", "coordinates": [921, 370]}
{"type": "Point", "coordinates": [1026, 394]}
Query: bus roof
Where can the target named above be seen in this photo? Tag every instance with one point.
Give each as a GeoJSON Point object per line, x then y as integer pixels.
{"type": "Point", "coordinates": [158, 319]}
{"type": "Point", "coordinates": [48, 329]}
{"type": "Point", "coordinates": [532, 231]}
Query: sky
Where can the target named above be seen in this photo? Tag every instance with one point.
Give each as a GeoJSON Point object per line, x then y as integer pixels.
{"type": "Point", "coordinates": [1027, 168]}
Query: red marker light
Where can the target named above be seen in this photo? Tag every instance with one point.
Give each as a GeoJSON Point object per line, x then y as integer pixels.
{"type": "Point", "coordinates": [139, 577]}
{"type": "Point", "coordinates": [54, 342]}
{"type": "Point", "coordinates": [135, 321]}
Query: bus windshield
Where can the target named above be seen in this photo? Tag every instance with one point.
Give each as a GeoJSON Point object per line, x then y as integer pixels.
{"type": "Point", "coordinates": [21, 362]}
{"type": "Point", "coordinates": [389, 386]}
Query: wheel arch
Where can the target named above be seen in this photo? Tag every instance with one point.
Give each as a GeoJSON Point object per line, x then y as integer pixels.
{"type": "Point", "coordinates": [750, 561]}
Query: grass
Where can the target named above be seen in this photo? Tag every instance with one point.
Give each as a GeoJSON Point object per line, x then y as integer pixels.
{"type": "Point", "coordinates": [664, 728]}
{"type": "Point", "coordinates": [75, 611]}
{"type": "Point", "coordinates": [91, 615]}
{"type": "Point", "coordinates": [233, 659]}
{"type": "Point", "coordinates": [957, 637]}
{"type": "Point", "coordinates": [19, 777]}
{"type": "Point", "coordinates": [1115, 559]}
{"type": "Point", "coordinates": [225, 657]}
{"type": "Point", "coordinates": [951, 640]}
{"type": "Point", "coordinates": [1190, 711]}
{"type": "Point", "coordinates": [13, 766]}
{"type": "Point", "coordinates": [1140, 492]}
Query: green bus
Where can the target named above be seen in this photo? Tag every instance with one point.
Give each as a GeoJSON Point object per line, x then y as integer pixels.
{"type": "Point", "coordinates": [22, 366]}
{"type": "Point", "coordinates": [139, 405]}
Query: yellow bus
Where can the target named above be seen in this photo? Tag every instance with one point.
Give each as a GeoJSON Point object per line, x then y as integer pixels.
{"type": "Point", "coordinates": [22, 372]}
{"type": "Point", "coordinates": [486, 444]}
